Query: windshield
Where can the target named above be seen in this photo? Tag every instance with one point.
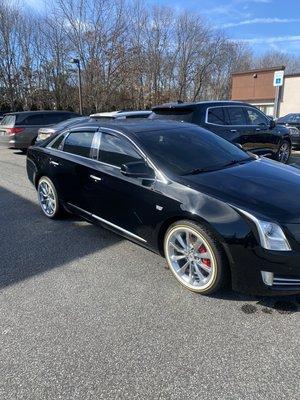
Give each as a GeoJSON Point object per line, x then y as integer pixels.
{"type": "Point", "coordinates": [175, 114]}
{"type": "Point", "coordinates": [191, 150]}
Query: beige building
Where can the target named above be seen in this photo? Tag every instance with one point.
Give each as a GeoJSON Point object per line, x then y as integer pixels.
{"type": "Point", "coordinates": [256, 87]}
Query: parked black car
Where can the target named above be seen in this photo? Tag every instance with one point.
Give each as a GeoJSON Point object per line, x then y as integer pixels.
{"type": "Point", "coordinates": [19, 130]}
{"type": "Point", "coordinates": [213, 210]}
{"type": "Point", "coordinates": [238, 122]}
{"type": "Point", "coordinates": [292, 122]}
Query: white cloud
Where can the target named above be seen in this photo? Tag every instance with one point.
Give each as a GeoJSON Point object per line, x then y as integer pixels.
{"type": "Point", "coordinates": [261, 21]}
{"type": "Point", "coordinates": [270, 40]}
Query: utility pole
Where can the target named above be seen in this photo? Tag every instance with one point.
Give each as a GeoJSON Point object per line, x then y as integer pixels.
{"type": "Point", "coordinates": [77, 62]}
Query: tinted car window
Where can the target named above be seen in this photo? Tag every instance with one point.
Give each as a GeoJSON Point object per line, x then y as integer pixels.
{"type": "Point", "coordinates": [53, 118]}
{"type": "Point", "coordinates": [236, 115]}
{"type": "Point", "coordinates": [216, 115]}
{"type": "Point", "coordinates": [37, 119]}
{"type": "Point", "coordinates": [176, 114]}
{"type": "Point", "coordinates": [202, 149]}
{"type": "Point", "coordinates": [58, 141]}
{"type": "Point", "coordinates": [70, 121]}
{"type": "Point", "coordinates": [116, 151]}
{"type": "Point", "coordinates": [255, 117]}
{"type": "Point", "coordinates": [79, 143]}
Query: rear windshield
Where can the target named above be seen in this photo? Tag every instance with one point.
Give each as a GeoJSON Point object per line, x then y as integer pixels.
{"type": "Point", "coordinates": [8, 120]}
{"type": "Point", "coordinates": [202, 150]}
{"type": "Point", "coordinates": [175, 114]}
{"type": "Point", "coordinates": [70, 121]}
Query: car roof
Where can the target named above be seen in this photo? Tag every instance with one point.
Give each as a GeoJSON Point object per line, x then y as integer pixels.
{"type": "Point", "coordinates": [136, 127]}
{"type": "Point", "coordinates": [201, 103]}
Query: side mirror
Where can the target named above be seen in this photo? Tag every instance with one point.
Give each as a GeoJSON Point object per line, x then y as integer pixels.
{"type": "Point", "coordinates": [137, 169]}
{"type": "Point", "coordinates": [272, 124]}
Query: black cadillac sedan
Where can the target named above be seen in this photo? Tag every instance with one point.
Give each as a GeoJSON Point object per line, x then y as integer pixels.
{"type": "Point", "coordinates": [214, 211]}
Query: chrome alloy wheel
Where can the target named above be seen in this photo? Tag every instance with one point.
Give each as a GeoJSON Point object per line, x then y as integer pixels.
{"type": "Point", "coordinates": [190, 258]}
{"type": "Point", "coordinates": [47, 198]}
{"type": "Point", "coordinates": [284, 152]}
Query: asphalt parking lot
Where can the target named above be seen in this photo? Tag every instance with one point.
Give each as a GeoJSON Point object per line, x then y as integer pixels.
{"type": "Point", "coordinates": [86, 314]}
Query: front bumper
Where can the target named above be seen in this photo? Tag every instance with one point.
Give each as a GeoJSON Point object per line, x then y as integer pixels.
{"type": "Point", "coordinates": [251, 266]}
{"type": "Point", "coordinates": [295, 141]}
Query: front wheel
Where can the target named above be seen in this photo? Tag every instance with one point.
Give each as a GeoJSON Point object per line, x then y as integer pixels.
{"type": "Point", "coordinates": [284, 152]}
{"type": "Point", "coordinates": [48, 198]}
{"type": "Point", "coordinates": [195, 257]}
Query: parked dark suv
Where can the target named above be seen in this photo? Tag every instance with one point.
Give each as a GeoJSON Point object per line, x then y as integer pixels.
{"type": "Point", "coordinates": [292, 122]}
{"type": "Point", "coordinates": [238, 122]}
{"type": "Point", "coordinates": [19, 130]}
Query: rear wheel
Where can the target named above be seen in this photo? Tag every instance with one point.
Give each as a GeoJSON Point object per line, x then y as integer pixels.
{"type": "Point", "coordinates": [195, 257]}
{"type": "Point", "coordinates": [48, 198]}
{"type": "Point", "coordinates": [284, 152]}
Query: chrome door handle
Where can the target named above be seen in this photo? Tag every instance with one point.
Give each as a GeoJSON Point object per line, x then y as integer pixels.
{"type": "Point", "coordinates": [54, 163]}
{"type": "Point", "coordinates": [96, 178]}
{"type": "Point", "coordinates": [233, 130]}
{"type": "Point", "coordinates": [257, 129]}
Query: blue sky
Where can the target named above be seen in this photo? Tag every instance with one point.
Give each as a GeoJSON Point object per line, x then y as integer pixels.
{"type": "Point", "coordinates": [263, 24]}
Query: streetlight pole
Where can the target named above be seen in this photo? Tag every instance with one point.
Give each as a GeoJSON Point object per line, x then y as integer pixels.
{"type": "Point", "coordinates": [77, 62]}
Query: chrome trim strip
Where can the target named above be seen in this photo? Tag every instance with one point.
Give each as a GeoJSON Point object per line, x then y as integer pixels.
{"type": "Point", "coordinates": [287, 279]}
{"type": "Point", "coordinates": [110, 223]}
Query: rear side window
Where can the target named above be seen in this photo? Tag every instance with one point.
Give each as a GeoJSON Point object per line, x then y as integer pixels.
{"type": "Point", "coordinates": [175, 114]}
{"type": "Point", "coordinates": [36, 119]}
{"type": "Point", "coordinates": [116, 151]}
{"type": "Point", "coordinates": [255, 117]}
{"type": "Point", "coordinates": [52, 118]}
{"type": "Point", "coordinates": [236, 116]}
{"type": "Point", "coordinates": [8, 120]}
{"type": "Point", "coordinates": [79, 143]}
{"type": "Point", "coordinates": [216, 115]}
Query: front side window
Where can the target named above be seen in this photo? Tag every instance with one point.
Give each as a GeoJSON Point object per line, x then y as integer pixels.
{"type": "Point", "coordinates": [216, 115]}
{"type": "Point", "coordinates": [116, 151]}
{"type": "Point", "coordinates": [255, 117]}
{"type": "Point", "coordinates": [79, 143]}
{"type": "Point", "coordinates": [236, 116]}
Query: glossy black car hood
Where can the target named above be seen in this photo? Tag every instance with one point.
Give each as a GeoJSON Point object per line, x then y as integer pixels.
{"type": "Point", "coordinates": [264, 187]}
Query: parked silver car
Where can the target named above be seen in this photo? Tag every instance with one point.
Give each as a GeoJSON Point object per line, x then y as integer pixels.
{"type": "Point", "coordinates": [19, 130]}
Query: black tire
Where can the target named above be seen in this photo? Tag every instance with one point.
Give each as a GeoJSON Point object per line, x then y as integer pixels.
{"type": "Point", "coordinates": [57, 209]}
{"type": "Point", "coordinates": [284, 151]}
{"type": "Point", "coordinates": [220, 273]}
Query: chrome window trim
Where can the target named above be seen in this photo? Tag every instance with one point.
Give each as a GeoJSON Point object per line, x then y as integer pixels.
{"type": "Point", "coordinates": [235, 105]}
{"type": "Point", "coordinates": [109, 223]}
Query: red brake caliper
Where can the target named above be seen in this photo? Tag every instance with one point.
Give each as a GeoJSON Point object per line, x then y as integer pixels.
{"type": "Point", "coordinates": [206, 261]}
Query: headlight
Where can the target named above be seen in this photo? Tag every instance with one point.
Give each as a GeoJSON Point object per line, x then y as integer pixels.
{"type": "Point", "coordinates": [271, 235]}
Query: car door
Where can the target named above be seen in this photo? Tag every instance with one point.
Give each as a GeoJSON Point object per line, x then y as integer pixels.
{"type": "Point", "coordinates": [69, 162]}
{"type": "Point", "coordinates": [123, 202]}
{"type": "Point", "coordinates": [264, 140]}
{"type": "Point", "coordinates": [236, 130]}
